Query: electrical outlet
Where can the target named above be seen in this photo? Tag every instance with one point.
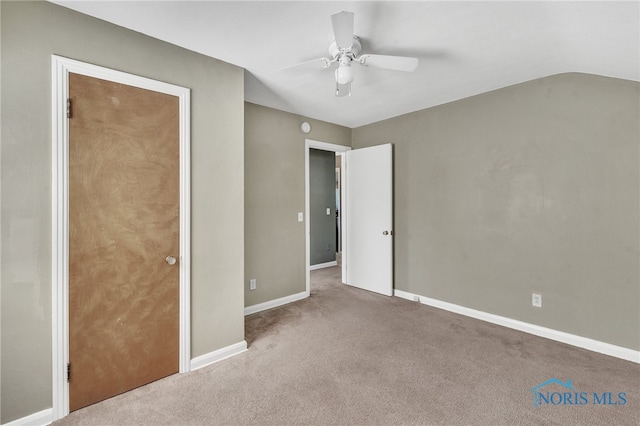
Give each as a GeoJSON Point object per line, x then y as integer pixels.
{"type": "Point", "coordinates": [536, 300]}
{"type": "Point", "coordinates": [252, 284]}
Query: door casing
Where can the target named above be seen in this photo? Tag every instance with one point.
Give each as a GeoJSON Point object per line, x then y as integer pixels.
{"type": "Point", "coordinates": [308, 144]}
{"type": "Point", "coordinates": [60, 69]}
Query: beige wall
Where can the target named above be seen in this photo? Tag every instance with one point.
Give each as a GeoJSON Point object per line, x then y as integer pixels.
{"type": "Point", "coordinates": [531, 188]}
{"type": "Point", "coordinates": [31, 32]}
{"type": "Point", "coordinates": [274, 194]}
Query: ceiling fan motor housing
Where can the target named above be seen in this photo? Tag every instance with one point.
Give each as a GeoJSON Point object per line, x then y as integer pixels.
{"type": "Point", "coordinates": [338, 51]}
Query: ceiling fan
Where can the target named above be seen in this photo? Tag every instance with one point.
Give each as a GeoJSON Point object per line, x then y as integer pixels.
{"type": "Point", "coordinates": [344, 49]}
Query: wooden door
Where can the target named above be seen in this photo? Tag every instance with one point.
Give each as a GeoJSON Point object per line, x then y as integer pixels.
{"type": "Point", "coordinates": [369, 219]}
{"type": "Point", "coordinates": [123, 224]}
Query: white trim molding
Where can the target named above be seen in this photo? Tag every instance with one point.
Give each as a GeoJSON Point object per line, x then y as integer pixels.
{"type": "Point", "coordinates": [217, 356]}
{"type": "Point", "coordinates": [549, 333]}
{"type": "Point", "coordinates": [323, 265]}
{"type": "Point", "coordinates": [308, 144]}
{"type": "Point", "coordinates": [41, 418]}
{"type": "Point", "coordinates": [275, 303]}
{"type": "Point", "coordinates": [60, 69]}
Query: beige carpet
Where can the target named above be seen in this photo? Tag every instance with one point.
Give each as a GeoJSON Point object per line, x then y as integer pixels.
{"type": "Point", "coordinates": [348, 357]}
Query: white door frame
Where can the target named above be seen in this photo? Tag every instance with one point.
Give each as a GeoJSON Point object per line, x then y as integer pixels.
{"type": "Point", "coordinates": [60, 69]}
{"type": "Point", "coordinates": [308, 144]}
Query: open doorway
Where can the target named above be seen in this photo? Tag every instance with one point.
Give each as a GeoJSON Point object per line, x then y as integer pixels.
{"type": "Point", "coordinates": [338, 190]}
{"type": "Point", "coordinates": [323, 209]}
{"type": "Point", "coordinates": [336, 208]}
{"type": "Point", "coordinates": [367, 216]}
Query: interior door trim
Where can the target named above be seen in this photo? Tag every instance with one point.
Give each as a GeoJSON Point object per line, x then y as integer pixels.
{"type": "Point", "coordinates": [60, 69]}
{"type": "Point", "coordinates": [325, 146]}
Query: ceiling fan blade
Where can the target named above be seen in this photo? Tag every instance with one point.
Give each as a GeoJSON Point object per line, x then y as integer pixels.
{"type": "Point", "coordinates": [318, 63]}
{"type": "Point", "coordinates": [343, 90]}
{"type": "Point", "coordinates": [343, 29]}
{"type": "Point", "coordinates": [398, 63]}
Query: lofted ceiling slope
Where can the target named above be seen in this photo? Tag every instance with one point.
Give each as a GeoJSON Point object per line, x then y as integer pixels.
{"type": "Point", "coordinates": [464, 48]}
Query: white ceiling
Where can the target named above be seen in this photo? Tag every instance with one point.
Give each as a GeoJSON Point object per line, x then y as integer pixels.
{"type": "Point", "coordinates": [464, 48]}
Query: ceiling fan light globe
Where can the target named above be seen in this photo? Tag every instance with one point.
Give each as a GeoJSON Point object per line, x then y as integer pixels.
{"type": "Point", "coordinates": [344, 74]}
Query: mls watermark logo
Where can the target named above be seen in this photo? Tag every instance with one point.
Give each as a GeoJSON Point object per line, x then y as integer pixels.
{"type": "Point", "coordinates": [568, 395]}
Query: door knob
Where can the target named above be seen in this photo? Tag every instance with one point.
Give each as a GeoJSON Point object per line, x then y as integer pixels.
{"type": "Point", "coordinates": [171, 260]}
{"type": "Point", "coordinates": [385, 233]}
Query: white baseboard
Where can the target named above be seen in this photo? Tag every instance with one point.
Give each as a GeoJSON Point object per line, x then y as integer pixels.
{"type": "Point", "coordinates": [323, 265]}
{"type": "Point", "coordinates": [275, 303]}
{"type": "Point", "coordinates": [41, 418]}
{"type": "Point", "coordinates": [559, 336]}
{"type": "Point", "coordinates": [45, 417]}
{"type": "Point", "coordinates": [219, 355]}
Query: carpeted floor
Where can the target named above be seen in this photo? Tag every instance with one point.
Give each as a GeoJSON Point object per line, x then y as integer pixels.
{"type": "Point", "coordinates": [348, 357]}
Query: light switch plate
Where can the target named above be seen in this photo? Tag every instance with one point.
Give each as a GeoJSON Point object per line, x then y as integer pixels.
{"type": "Point", "coordinates": [536, 300]}
{"type": "Point", "coordinates": [300, 217]}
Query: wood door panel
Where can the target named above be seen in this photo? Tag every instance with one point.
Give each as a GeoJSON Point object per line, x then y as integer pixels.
{"type": "Point", "coordinates": [123, 223]}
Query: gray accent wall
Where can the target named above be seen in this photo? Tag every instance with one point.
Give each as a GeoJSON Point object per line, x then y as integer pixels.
{"type": "Point", "coordinates": [30, 33]}
{"type": "Point", "coordinates": [322, 195]}
{"type": "Point", "coordinates": [530, 188]}
{"type": "Point", "coordinates": [274, 194]}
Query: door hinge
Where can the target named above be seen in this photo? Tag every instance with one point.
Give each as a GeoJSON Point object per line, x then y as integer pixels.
{"type": "Point", "coordinates": [68, 372]}
{"type": "Point", "coordinates": [69, 108]}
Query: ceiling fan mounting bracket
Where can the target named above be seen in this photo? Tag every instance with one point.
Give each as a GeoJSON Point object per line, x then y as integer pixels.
{"type": "Point", "coordinates": [352, 52]}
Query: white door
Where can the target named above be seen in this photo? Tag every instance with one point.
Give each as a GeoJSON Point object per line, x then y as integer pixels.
{"type": "Point", "coordinates": [369, 218]}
